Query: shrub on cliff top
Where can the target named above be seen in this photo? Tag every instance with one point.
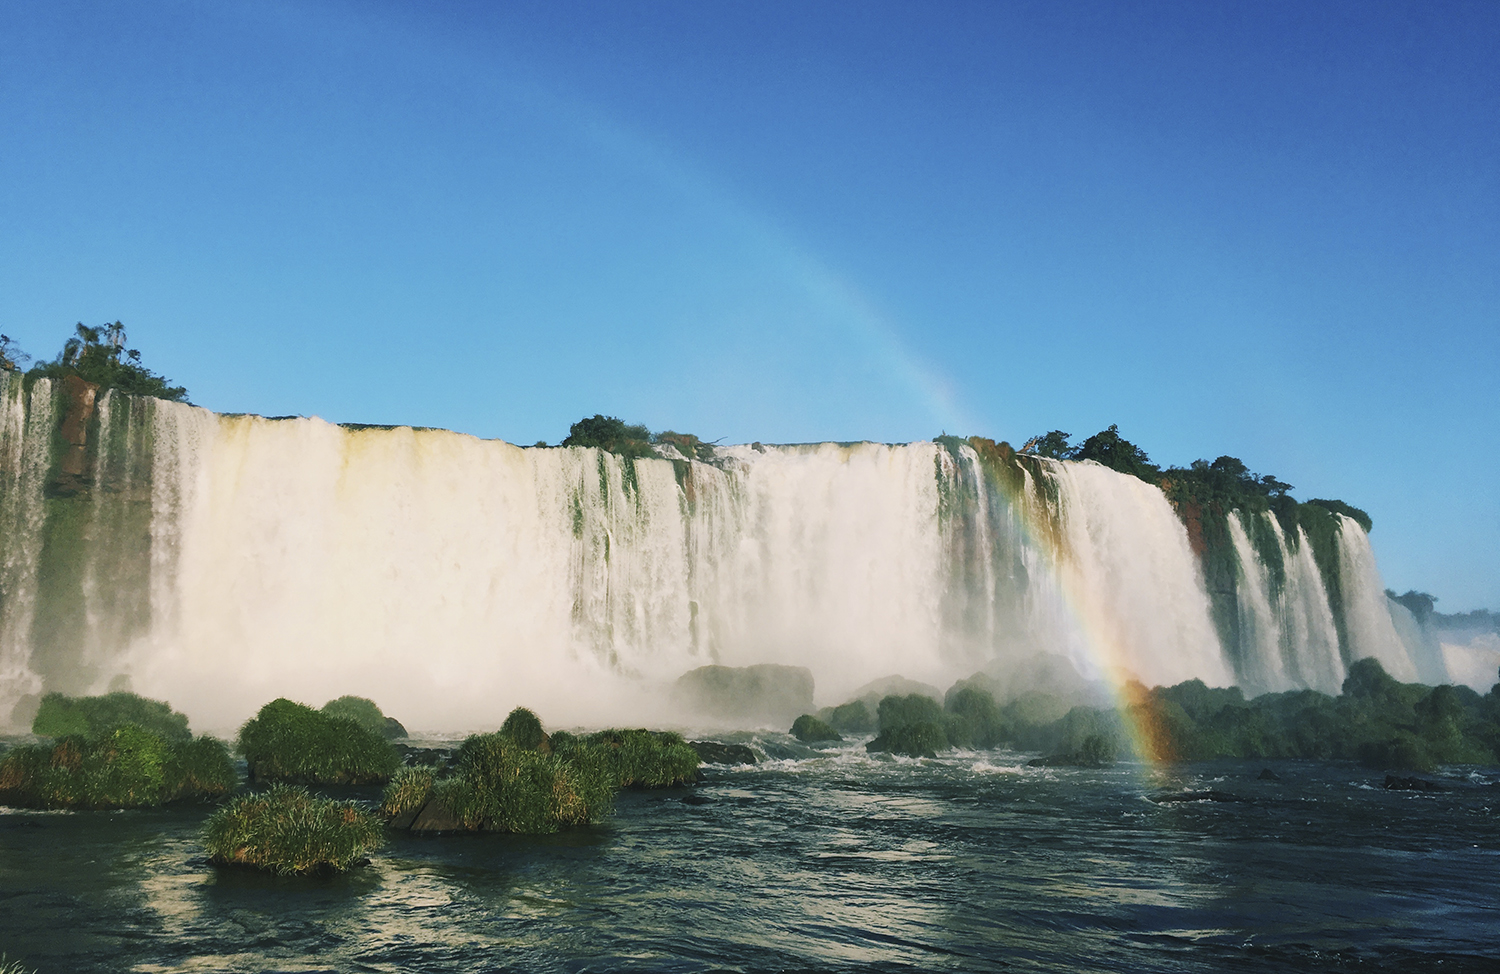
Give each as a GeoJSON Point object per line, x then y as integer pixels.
{"type": "Point", "coordinates": [128, 767]}
{"type": "Point", "coordinates": [61, 716]}
{"type": "Point", "coordinates": [292, 742]}
{"type": "Point", "coordinates": [285, 830]}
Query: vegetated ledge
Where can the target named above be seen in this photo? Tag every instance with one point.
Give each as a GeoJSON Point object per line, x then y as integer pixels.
{"type": "Point", "coordinates": [1376, 720]}
{"type": "Point", "coordinates": [521, 779]}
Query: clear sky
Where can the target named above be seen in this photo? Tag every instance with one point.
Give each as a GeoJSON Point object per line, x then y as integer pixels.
{"type": "Point", "coordinates": [1266, 229]}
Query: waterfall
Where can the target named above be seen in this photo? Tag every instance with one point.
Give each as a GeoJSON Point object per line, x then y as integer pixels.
{"type": "Point", "coordinates": [219, 561]}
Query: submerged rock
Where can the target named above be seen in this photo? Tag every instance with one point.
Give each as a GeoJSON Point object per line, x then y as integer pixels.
{"type": "Point", "coordinates": [1412, 783]}
{"type": "Point", "coordinates": [1211, 795]}
{"type": "Point", "coordinates": [712, 752]}
{"type": "Point", "coordinates": [1266, 774]}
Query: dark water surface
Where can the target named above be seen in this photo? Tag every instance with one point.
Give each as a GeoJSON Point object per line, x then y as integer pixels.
{"type": "Point", "coordinates": [972, 863]}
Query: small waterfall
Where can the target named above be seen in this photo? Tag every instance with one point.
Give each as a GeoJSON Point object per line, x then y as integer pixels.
{"type": "Point", "coordinates": [1367, 611]}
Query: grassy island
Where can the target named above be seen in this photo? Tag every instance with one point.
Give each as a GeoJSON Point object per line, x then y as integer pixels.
{"type": "Point", "coordinates": [291, 742]}
{"type": "Point", "coordinates": [520, 779]}
{"type": "Point", "coordinates": [126, 767]}
{"type": "Point", "coordinates": [288, 831]}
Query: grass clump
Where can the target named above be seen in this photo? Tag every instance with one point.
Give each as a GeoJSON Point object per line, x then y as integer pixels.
{"type": "Point", "coordinates": [853, 717]}
{"type": "Point", "coordinates": [634, 758]}
{"type": "Point", "coordinates": [64, 716]}
{"type": "Point", "coordinates": [128, 767]}
{"type": "Point", "coordinates": [810, 730]}
{"type": "Point", "coordinates": [522, 780]}
{"type": "Point", "coordinates": [501, 786]}
{"type": "Point", "coordinates": [285, 830]}
{"type": "Point", "coordinates": [367, 714]}
{"type": "Point", "coordinates": [291, 742]}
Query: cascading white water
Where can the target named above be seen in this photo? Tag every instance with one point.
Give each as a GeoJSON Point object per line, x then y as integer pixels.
{"type": "Point", "coordinates": [451, 578]}
{"type": "Point", "coordinates": [1367, 614]}
{"type": "Point", "coordinates": [1131, 574]}
{"type": "Point", "coordinates": [25, 439]}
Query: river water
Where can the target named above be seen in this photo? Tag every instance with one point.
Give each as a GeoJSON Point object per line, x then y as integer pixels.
{"type": "Point", "coordinates": [973, 862]}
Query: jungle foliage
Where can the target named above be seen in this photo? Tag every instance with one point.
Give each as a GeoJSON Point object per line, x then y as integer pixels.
{"type": "Point", "coordinates": [99, 355]}
{"type": "Point", "coordinates": [292, 742]}
{"type": "Point", "coordinates": [614, 435]}
{"type": "Point", "coordinates": [287, 831]}
{"type": "Point", "coordinates": [124, 767]}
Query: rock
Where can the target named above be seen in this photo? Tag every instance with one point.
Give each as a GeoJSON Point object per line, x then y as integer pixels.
{"type": "Point", "coordinates": [764, 694]}
{"type": "Point", "coordinates": [809, 729]}
{"type": "Point", "coordinates": [413, 757]}
{"type": "Point", "coordinates": [712, 752]}
{"type": "Point", "coordinates": [1413, 783]}
{"type": "Point", "coordinates": [393, 729]}
{"type": "Point", "coordinates": [1266, 774]}
{"type": "Point", "coordinates": [437, 817]}
{"type": "Point", "coordinates": [1196, 796]}
{"type": "Point", "coordinates": [697, 800]}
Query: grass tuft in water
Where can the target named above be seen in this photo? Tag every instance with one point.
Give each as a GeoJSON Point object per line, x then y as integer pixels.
{"type": "Point", "coordinates": [129, 767]}
{"type": "Point", "coordinates": [291, 742]}
{"type": "Point", "coordinates": [287, 831]}
{"type": "Point", "coordinates": [367, 714]}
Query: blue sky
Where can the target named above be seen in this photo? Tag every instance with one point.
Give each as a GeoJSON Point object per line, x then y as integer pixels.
{"type": "Point", "coordinates": [1264, 229]}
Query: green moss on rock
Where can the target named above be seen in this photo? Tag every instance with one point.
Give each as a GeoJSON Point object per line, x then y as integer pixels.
{"type": "Point", "coordinates": [810, 730]}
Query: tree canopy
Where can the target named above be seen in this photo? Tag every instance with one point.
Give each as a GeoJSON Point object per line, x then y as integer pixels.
{"type": "Point", "coordinates": [99, 355]}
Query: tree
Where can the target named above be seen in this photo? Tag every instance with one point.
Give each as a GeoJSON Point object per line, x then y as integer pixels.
{"type": "Point", "coordinates": [95, 355]}
{"type": "Point", "coordinates": [1053, 445]}
{"type": "Point", "coordinates": [11, 355]}
{"type": "Point", "coordinates": [612, 434]}
{"type": "Point", "coordinates": [1114, 451]}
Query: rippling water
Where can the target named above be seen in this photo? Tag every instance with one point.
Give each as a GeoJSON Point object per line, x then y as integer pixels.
{"type": "Point", "coordinates": [970, 863]}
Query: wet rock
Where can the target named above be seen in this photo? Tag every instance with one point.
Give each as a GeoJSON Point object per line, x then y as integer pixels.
{"type": "Point", "coordinates": [1266, 774]}
{"type": "Point", "coordinates": [697, 800]}
{"type": "Point", "coordinates": [1412, 783]}
{"type": "Point", "coordinates": [413, 757]}
{"type": "Point", "coordinates": [437, 817]}
{"type": "Point", "coordinates": [712, 752]}
{"type": "Point", "coordinates": [1211, 795]}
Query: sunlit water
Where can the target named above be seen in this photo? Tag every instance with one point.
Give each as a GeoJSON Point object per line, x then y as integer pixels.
{"type": "Point", "coordinates": [840, 862]}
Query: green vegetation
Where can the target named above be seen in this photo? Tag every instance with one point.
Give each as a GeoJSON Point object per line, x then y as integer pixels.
{"type": "Point", "coordinates": [11, 360]}
{"type": "Point", "coordinates": [810, 730]}
{"type": "Point", "coordinates": [126, 767]}
{"type": "Point", "coordinates": [285, 830]}
{"type": "Point", "coordinates": [520, 779]}
{"type": "Point", "coordinates": [634, 758]}
{"type": "Point", "coordinates": [910, 725]}
{"type": "Point", "coordinates": [525, 728]}
{"type": "Point", "coordinates": [611, 434]}
{"type": "Point", "coordinates": [99, 355]}
{"type": "Point", "coordinates": [366, 713]}
{"type": "Point", "coordinates": [614, 435]}
{"type": "Point", "coordinates": [61, 716]}
{"type": "Point", "coordinates": [8, 966]}
{"type": "Point", "coordinates": [292, 742]}
{"type": "Point", "coordinates": [1376, 720]}
{"type": "Point", "coordinates": [850, 718]}
{"type": "Point", "coordinates": [972, 718]}
{"type": "Point", "coordinates": [500, 786]}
